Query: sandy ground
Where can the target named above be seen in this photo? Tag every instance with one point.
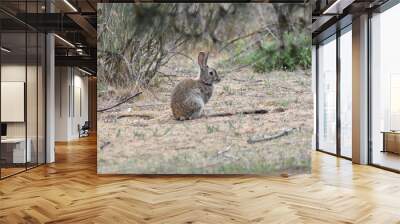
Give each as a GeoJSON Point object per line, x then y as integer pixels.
{"type": "Point", "coordinates": [142, 137]}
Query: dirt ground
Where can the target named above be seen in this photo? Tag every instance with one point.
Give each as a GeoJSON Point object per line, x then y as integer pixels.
{"type": "Point", "coordinates": [141, 137]}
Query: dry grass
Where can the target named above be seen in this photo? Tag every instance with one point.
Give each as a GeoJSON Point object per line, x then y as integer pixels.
{"type": "Point", "coordinates": [142, 137]}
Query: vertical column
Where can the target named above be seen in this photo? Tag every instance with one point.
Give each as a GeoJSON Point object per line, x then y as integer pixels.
{"type": "Point", "coordinates": [360, 90]}
{"type": "Point", "coordinates": [92, 101]}
{"type": "Point", "coordinates": [314, 91]}
{"type": "Point", "coordinates": [50, 92]}
{"type": "Point", "coordinates": [338, 77]}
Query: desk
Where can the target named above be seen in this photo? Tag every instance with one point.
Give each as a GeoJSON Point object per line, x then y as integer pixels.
{"type": "Point", "coordinates": [15, 148]}
{"type": "Point", "coordinates": [391, 141]}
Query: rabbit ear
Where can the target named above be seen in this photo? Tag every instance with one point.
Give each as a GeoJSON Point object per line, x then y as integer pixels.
{"type": "Point", "coordinates": [206, 59]}
{"type": "Point", "coordinates": [202, 59]}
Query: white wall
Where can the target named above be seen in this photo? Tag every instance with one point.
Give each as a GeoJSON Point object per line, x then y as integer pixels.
{"type": "Point", "coordinates": [80, 89]}
{"type": "Point", "coordinates": [70, 83]}
{"type": "Point", "coordinates": [62, 80]}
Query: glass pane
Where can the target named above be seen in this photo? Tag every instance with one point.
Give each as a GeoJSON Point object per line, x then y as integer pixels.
{"type": "Point", "coordinates": [346, 94]}
{"type": "Point", "coordinates": [31, 86]}
{"type": "Point", "coordinates": [327, 96]}
{"type": "Point", "coordinates": [23, 89]}
{"type": "Point", "coordinates": [31, 97]}
{"type": "Point", "coordinates": [13, 88]}
{"type": "Point", "coordinates": [386, 89]}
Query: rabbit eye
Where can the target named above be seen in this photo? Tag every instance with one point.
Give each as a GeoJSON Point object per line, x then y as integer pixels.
{"type": "Point", "coordinates": [211, 73]}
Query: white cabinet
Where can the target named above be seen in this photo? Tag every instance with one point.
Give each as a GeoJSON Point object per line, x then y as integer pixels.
{"type": "Point", "coordinates": [18, 149]}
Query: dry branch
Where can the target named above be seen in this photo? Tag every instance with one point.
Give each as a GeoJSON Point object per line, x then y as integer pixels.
{"type": "Point", "coordinates": [248, 80]}
{"type": "Point", "coordinates": [260, 31]}
{"type": "Point", "coordinates": [230, 156]}
{"type": "Point", "coordinates": [103, 145]}
{"type": "Point", "coordinates": [143, 116]}
{"type": "Point", "coordinates": [184, 55]}
{"type": "Point", "coordinates": [255, 139]}
{"type": "Point", "coordinates": [225, 150]}
{"type": "Point", "coordinates": [224, 114]}
{"type": "Point", "coordinates": [119, 103]}
{"type": "Point", "coordinates": [261, 111]}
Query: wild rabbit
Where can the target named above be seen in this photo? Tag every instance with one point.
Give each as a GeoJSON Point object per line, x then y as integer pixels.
{"type": "Point", "coordinates": [190, 95]}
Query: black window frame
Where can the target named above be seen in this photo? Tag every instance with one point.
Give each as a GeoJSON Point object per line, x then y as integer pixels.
{"type": "Point", "coordinates": [341, 27]}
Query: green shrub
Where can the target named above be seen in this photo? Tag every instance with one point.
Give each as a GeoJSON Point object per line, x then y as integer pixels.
{"type": "Point", "coordinates": [295, 53]}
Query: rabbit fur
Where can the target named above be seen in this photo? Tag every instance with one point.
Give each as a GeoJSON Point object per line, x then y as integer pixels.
{"type": "Point", "coordinates": [190, 95]}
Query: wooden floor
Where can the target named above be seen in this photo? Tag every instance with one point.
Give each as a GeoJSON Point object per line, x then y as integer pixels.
{"type": "Point", "coordinates": [69, 191]}
{"type": "Point", "coordinates": [387, 159]}
{"type": "Point", "coordinates": [5, 172]}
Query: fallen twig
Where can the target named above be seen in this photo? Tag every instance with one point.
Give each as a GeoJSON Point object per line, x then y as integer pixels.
{"type": "Point", "coordinates": [248, 80]}
{"type": "Point", "coordinates": [230, 157]}
{"type": "Point", "coordinates": [279, 110]}
{"type": "Point", "coordinates": [255, 139]}
{"type": "Point", "coordinates": [225, 150]}
{"type": "Point", "coordinates": [224, 153]}
{"type": "Point", "coordinates": [184, 147]}
{"type": "Point", "coordinates": [152, 105]}
{"type": "Point", "coordinates": [119, 103]}
{"type": "Point", "coordinates": [169, 77]}
{"type": "Point", "coordinates": [261, 111]}
{"type": "Point", "coordinates": [165, 75]}
{"type": "Point", "coordinates": [144, 116]}
{"type": "Point", "coordinates": [104, 145]}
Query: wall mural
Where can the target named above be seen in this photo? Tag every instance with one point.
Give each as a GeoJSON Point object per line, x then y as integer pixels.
{"type": "Point", "coordinates": [204, 88]}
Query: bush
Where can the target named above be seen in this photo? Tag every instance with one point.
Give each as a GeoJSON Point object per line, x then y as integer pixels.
{"type": "Point", "coordinates": [295, 53]}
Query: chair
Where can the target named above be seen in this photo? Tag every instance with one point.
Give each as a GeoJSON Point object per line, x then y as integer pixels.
{"type": "Point", "coordinates": [84, 130]}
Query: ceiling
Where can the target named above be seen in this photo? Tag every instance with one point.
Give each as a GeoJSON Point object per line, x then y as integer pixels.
{"type": "Point", "coordinates": [74, 22]}
{"type": "Point", "coordinates": [336, 14]}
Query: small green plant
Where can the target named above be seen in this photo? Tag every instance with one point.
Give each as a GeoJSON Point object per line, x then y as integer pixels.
{"type": "Point", "coordinates": [231, 125]}
{"type": "Point", "coordinates": [237, 134]}
{"type": "Point", "coordinates": [295, 52]}
{"type": "Point", "coordinates": [211, 129]}
{"type": "Point", "coordinates": [284, 103]}
{"type": "Point", "coordinates": [228, 103]}
{"type": "Point", "coordinates": [101, 87]}
{"type": "Point", "coordinates": [156, 132]}
{"type": "Point", "coordinates": [302, 83]}
{"type": "Point", "coordinates": [156, 81]}
{"type": "Point", "coordinates": [242, 91]}
{"type": "Point", "coordinates": [228, 90]}
{"type": "Point", "coordinates": [102, 161]}
{"type": "Point", "coordinates": [267, 83]}
{"type": "Point", "coordinates": [138, 134]}
{"type": "Point", "coordinates": [234, 127]}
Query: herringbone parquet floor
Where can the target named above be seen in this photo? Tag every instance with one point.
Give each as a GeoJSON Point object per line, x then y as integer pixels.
{"type": "Point", "coordinates": [69, 191]}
